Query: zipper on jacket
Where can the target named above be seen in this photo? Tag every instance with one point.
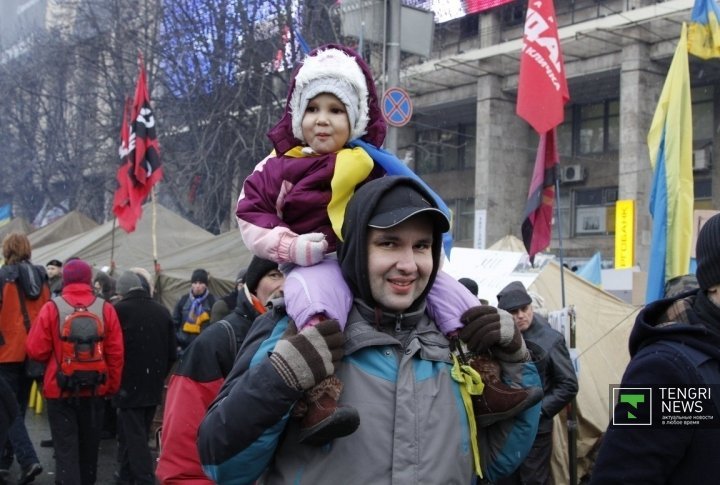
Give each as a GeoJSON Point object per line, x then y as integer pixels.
{"type": "Point", "coordinates": [398, 323]}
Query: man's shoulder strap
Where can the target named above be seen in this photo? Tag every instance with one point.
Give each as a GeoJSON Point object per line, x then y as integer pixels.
{"type": "Point", "coordinates": [231, 334]}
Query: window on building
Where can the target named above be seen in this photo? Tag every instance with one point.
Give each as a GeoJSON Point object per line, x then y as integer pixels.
{"type": "Point", "coordinates": [703, 194]}
{"type": "Point", "coordinates": [565, 134]}
{"type": "Point", "coordinates": [597, 127]}
{"type": "Point", "coordinates": [563, 222]}
{"type": "Point", "coordinates": [594, 211]}
{"type": "Point", "coordinates": [702, 113]}
{"type": "Point", "coordinates": [592, 128]}
{"type": "Point", "coordinates": [463, 219]}
{"type": "Point", "coordinates": [446, 149]}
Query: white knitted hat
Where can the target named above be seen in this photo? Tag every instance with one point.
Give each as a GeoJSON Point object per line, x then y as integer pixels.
{"type": "Point", "coordinates": [331, 71]}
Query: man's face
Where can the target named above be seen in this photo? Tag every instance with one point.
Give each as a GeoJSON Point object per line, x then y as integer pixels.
{"type": "Point", "coordinates": [523, 317]}
{"type": "Point", "coordinates": [52, 270]}
{"type": "Point", "coordinates": [198, 288]}
{"type": "Point", "coordinates": [400, 262]}
{"type": "Point", "coordinates": [98, 288]}
{"type": "Point", "coordinates": [270, 286]}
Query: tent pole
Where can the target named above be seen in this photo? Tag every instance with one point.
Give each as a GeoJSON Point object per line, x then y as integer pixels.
{"type": "Point", "coordinates": [571, 413]}
{"type": "Point", "coordinates": [154, 232]}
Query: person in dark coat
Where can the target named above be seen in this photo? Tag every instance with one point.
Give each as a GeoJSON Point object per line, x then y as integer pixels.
{"type": "Point", "coordinates": [202, 370]}
{"type": "Point", "coordinates": [675, 343]}
{"type": "Point", "coordinates": [150, 351]}
{"type": "Point", "coordinates": [557, 373]}
{"type": "Point", "coordinates": [54, 272]}
{"type": "Point", "coordinates": [193, 309]}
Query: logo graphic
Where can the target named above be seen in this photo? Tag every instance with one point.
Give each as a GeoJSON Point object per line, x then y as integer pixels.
{"type": "Point", "coordinates": [634, 406]}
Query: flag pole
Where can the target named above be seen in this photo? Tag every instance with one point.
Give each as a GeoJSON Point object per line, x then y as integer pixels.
{"type": "Point", "coordinates": [570, 408]}
{"type": "Point", "coordinates": [112, 248]}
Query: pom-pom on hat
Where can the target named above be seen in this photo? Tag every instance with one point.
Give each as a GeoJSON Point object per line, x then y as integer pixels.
{"type": "Point", "coordinates": [707, 253]}
{"type": "Point", "coordinates": [76, 271]}
{"type": "Point", "coordinates": [331, 71]}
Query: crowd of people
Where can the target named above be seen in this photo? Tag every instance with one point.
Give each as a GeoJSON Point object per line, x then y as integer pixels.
{"type": "Point", "coordinates": [343, 353]}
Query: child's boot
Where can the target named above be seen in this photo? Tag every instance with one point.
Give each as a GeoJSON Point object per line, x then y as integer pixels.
{"type": "Point", "coordinates": [325, 420]}
{"type": "Point", "coordinates": [498, 400]}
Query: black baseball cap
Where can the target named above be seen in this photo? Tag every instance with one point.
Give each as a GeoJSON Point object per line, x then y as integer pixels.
{"type": "Point", "coordinates": [402, 202]}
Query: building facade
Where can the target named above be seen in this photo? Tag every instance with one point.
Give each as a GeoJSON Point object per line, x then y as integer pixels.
{"type": "Point", "coordinates": [467, 142]}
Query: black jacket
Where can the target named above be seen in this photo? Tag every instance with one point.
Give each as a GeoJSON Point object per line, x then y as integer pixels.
{"type": "Point", "coordinates": [651, 454]}
{"type": "Point", "coordinates": [553, 362]}
{"type": "Point", "coordinates": [150, 349]}
{"type": "Point", "coordinates": [212, 354]}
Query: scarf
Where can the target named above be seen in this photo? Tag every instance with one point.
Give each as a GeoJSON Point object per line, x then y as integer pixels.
{"type": "Point", "coordinates": [352, 166]}
{"type": "Point", "coordinates": [196, 306]}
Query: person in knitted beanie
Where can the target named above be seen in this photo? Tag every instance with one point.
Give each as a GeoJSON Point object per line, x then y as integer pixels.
{"type": "Point", "coordinates": [76, 270]}
{"type": "Point", "coordinates": [292, 207]}
{"type": "Point", "coordinates": [192, 311]}
{"type": "Point", "coordinates": [332, 100]}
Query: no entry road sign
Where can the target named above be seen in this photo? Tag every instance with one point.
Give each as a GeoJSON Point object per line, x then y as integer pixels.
{"type": "Point", "coordinates": [397, 107]}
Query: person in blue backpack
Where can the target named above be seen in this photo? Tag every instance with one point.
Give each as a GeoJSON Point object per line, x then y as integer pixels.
{"type": "Point", "coordinates": [675, 343]}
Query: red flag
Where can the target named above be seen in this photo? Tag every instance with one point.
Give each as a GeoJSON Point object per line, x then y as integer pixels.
{"type": "Point", "coordinates": [140, 166]}
{"type": "Point", "coordinates": [537, 224]}
{"type": "Point", "coordinates": [542, 87]}
{"type": "Point", "coordinates": [127, 214]}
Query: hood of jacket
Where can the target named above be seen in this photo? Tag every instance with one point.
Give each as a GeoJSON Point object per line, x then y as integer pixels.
{"type": "Point", "coordinates": [353, 251]}
{"type": "Point", "coordinates": [281, 134]}
{"type": "Point", "coordinates": [691, 319]}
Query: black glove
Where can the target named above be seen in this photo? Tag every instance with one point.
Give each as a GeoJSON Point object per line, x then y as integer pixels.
{"type": "Point", "coordinates": [304, 359]}
{"type": "Point", "coordinates": [488, 328]}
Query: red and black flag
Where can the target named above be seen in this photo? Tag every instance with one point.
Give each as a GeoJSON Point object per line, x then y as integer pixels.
{"type": "Point", "coordinates": [140, 166]}
{"type": "Point", "coordinates": [542, 94]}
{"type": "Point", "coordinates": [537, 219]}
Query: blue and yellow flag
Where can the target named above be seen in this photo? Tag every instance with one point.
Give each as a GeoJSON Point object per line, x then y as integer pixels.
{"type": "Point", "coordinates": [5, 214]}
{"type": "Point", "coordinates": [671, 199]}
{"type": "Point", "coordinates": [703, 36]}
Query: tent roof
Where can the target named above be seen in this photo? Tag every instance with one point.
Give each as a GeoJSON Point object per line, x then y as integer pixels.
{"type": "Point", "coordinates": [105, 242]}
{"type": "Point", "coordinates": [70, 224]}
{"type": "Point", "coordinates": [509, 243]}
{"type": "Point", "coordinates": [222, 256]}
{"type": "Point", "coordinates": [17, 224]}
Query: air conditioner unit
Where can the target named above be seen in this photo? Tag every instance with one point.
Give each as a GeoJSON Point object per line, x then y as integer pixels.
{"type": "Point", "coordinates": [702, 159]}
{"type": "Point", "coordinates": [572, 173]}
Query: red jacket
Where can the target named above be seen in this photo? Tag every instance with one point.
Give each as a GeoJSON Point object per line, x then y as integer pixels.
{"type": "Point", "coordinates": [12, 326]}
{"type": "Point", "coordinates": [43, 342]}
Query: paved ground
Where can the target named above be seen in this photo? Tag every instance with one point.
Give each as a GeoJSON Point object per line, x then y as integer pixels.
{"type": "Point", "coordinates": [39, 430]}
